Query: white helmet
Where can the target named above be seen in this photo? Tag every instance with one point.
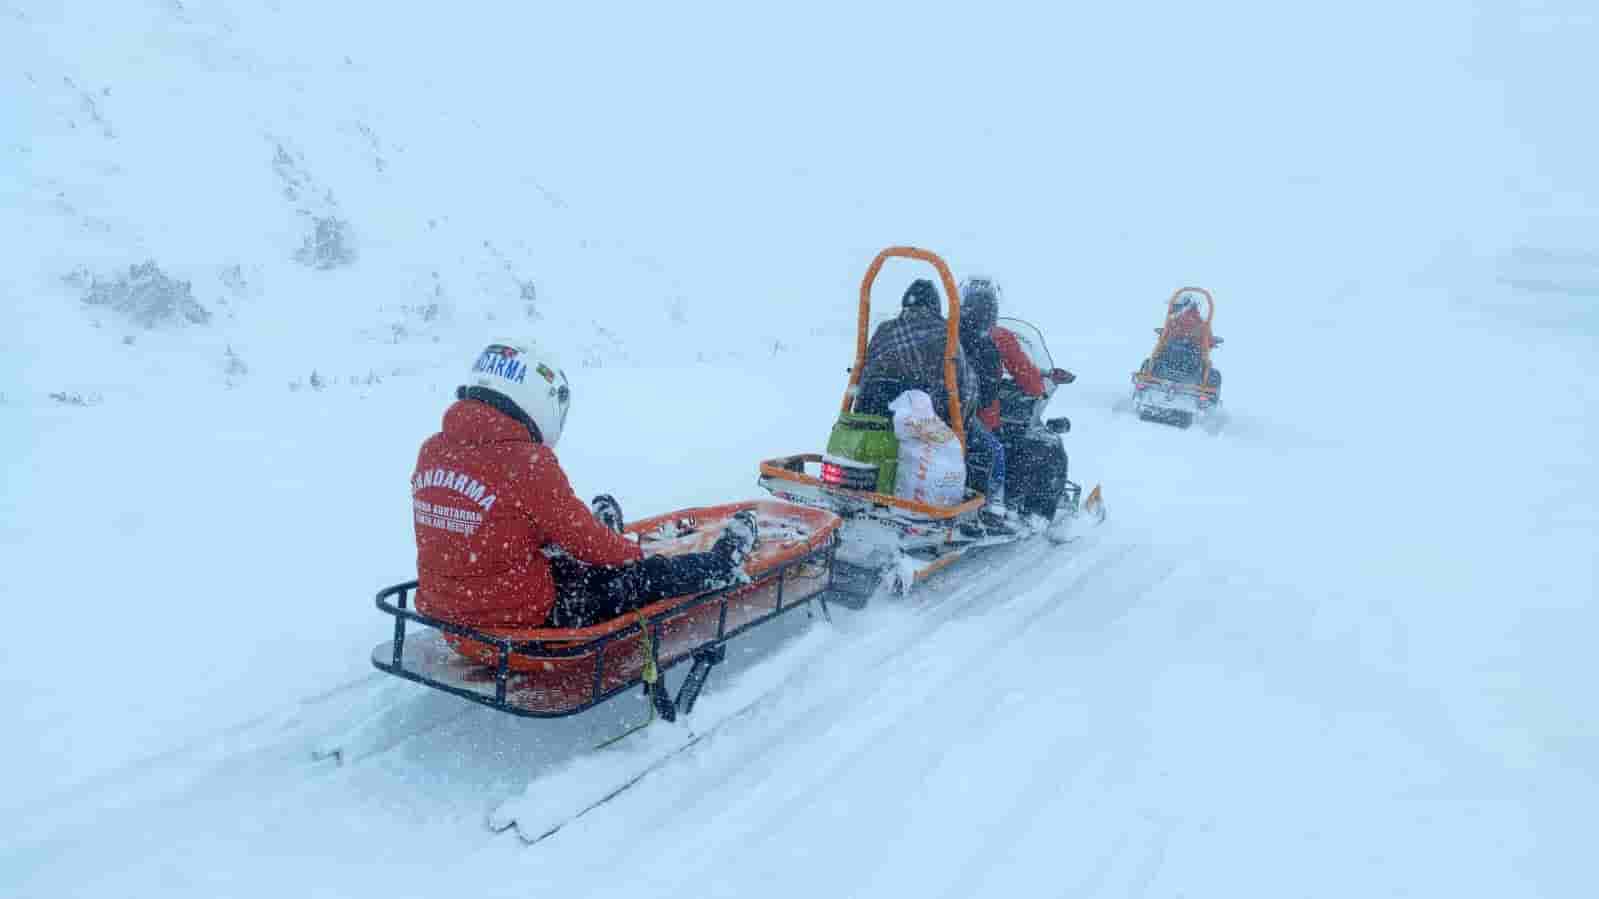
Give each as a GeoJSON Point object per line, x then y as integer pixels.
{"type": "Point", "coordinates": [529, 380]}
{"type": "Point", "coordinates": [980, 283]}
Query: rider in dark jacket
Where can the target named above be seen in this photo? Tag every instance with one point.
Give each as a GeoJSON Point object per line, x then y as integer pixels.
{"type": "Point", "coordinates": [907, 353]}
{"type": "Point", "coordinates": [986, 455]}
{"type": "Point", "coordinates": [1028, 470]}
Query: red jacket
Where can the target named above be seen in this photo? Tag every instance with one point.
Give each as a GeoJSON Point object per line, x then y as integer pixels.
{"type": "Point", "coordinates": [485, 499]}
{"type": "Point", "coordinates": [1021, 368]}
{"type": "Point", "coordinates": [1187, 325]}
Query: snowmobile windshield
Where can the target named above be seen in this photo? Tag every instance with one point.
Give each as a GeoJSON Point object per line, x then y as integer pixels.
{"type": "Point", "coordinates": [1032, 341]}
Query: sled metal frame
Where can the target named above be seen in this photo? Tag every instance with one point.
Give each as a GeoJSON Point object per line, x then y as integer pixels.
{"type": "Point", "coordinates": [393, 601]}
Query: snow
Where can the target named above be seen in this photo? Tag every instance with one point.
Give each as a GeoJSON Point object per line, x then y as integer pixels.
{"type": "Point", "coordinates": [1340, 647]}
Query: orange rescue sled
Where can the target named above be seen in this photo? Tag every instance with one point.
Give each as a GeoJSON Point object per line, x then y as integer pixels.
{"type": "Point", "coordinates": [553, 672]}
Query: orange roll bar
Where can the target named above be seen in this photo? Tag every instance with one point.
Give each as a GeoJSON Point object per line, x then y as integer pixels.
{"type": "Point", "coordinates": [952, 340]}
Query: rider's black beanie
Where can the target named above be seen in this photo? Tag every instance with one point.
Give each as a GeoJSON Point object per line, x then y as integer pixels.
{"type": "Point", "coordinates": [921, 293]}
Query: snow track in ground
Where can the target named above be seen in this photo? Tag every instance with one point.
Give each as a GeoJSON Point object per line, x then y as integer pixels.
{"type": "Point", "coordinates": [815, 778]}
{"type": "Point", "coordinates": [447, 760]}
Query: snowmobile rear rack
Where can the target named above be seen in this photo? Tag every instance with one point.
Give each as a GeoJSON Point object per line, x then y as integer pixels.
{"type": "Point", "coordinates": [556, 672]}
{"type": "Point", "coordinates": [792, 470]}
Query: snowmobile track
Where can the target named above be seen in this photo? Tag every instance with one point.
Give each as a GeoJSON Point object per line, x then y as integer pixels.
{"type": "Point", "coordinates": [943, 606]}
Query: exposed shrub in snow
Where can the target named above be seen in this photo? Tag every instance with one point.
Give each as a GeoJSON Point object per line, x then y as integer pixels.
{"type": "Point", "coordinates": [527, 290]}
{"type": "Point", "coordinates": [233, 368]}
{"type": "Point", "coordinates": [318, 382]}
{"type": "Point", "coordinates": [232, 277]}
{"type": "Point", "coordinates": [530, 298]}
{"type": "Point", "coordinates": [328, 245]}
{"type": "Point", "coordinates": [426, 312]}
{"type": "Point", "coordinates": [242, 282]}
{"type": "Point", "coordinates": [414, 320]}
{"type": "Point", "coordinates": [232, 364]}
{"type": "Point", "coordinates": [148, 297]}
{"type": "Point", "coordinates": [76, 399]}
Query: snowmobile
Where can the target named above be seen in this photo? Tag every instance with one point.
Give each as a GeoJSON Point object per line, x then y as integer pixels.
{"type": "Point", "coordinates": [555, 672]}
{"type": "Point", "coordinates": [1033, 442]}
{"type": "Point", "coordinates": [1176, 385]}
{"type": "Point", "coordinates": [888, 540]}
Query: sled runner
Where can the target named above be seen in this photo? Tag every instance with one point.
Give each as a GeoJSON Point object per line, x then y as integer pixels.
{"type": "Point", "coordinates": [888, 537]}
{"type": "Point", "coordinates": [1177, 384]}
{"type": "Point", "coordinates": [554, 672]}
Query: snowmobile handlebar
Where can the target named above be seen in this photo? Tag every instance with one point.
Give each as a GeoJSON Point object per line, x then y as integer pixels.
{"type": "Point", "coordinates": [952, 340]}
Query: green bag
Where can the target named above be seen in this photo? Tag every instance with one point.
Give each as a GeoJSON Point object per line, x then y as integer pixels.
{"type": "Point", "coordinates": [868, 439]}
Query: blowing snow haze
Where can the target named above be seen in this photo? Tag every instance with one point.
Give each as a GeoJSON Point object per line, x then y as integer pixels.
{"type": "Point", "coordinates": [1340, 648]}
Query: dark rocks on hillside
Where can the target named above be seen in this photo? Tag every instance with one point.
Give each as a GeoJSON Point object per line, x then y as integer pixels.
{"type": "Point", "coordinates": [329, 245]}
{"type": "Point", "coordinates": [66, 398]}
{"type": "Point", "coordinates": [148, 297]}
{"type": "Point", "coordinates": [233, 367]}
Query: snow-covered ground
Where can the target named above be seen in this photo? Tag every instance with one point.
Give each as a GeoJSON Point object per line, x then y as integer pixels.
{"type": "Point", "coordinates": [1341, 647]}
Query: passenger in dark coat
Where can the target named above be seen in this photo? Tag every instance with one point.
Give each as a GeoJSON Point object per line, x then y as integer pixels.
{"type": "Point", "coordinates": [907, 353]}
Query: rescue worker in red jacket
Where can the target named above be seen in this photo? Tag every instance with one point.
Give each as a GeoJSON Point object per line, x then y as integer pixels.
{"type": "Point", "coordinates": [1182, 357]}
{"type": "Point", "coordinates": [493, 508]}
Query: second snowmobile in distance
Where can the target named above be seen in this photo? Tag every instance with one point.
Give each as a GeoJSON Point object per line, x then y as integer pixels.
{"type": "Point", "coordinates": [1177, 384]}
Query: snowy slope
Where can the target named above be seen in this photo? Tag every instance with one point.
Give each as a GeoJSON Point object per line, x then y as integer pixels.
{"type": "Point", "coordinates": [1339, 648]}
{"type": "Point", "coordinates": [1318, 653]}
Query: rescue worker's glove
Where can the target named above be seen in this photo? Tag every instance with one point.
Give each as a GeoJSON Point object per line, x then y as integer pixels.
{"type": "Point", "coordinates": [1061, 376]}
